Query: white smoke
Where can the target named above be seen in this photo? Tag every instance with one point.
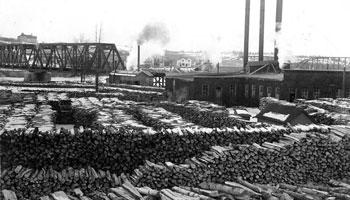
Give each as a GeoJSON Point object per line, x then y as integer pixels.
{"type": "Point", "coordinates": [152, 40]}
{"type": "Point", "coordinates": [285, 48]}
{"type": "Point", "coordinates": [213, 50]}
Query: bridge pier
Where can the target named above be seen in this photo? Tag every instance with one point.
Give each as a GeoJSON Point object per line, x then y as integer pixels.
{"type": "Point", "coordinates": [37, 76]}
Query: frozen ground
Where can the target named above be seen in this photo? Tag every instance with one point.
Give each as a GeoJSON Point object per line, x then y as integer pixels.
{"type": "Point", "coordinates": [11, 79]}
{"type": "Point", "coordinates": [76, 79]}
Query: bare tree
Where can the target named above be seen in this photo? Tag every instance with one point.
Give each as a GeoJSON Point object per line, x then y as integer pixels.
{"type": "Point", "coordinates": [98, 36]}
{"type": "Point", "coordinates": [81, 39]}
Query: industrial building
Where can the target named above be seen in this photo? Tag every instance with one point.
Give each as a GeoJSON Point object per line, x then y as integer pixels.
{"type": "Point", "coordinates": [247, 89]}
{"type": "Point", "coordinates": [265, 78]}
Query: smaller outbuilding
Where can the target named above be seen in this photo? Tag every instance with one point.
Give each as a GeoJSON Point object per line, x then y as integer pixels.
{"type": "Point", "coordinates": [145, 78]}
{"type": "Point", "coordinates": [283, 115]}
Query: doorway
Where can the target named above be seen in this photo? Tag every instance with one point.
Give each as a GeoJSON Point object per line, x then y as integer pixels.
{"type": "Point", "coordinates": [218, 95]}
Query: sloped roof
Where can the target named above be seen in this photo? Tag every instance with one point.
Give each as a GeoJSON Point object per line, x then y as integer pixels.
{"type": "Point", "coordinates": [281, 114]}
{"type": "Point", "coordinates": [148, 73]}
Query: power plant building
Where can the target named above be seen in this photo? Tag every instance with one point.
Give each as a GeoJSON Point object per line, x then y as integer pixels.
{"type": "Point", "coordinates": [246, 89]}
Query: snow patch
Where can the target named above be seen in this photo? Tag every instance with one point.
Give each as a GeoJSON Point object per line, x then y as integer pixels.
{"type": "Point", "coordinates": [278, 116]}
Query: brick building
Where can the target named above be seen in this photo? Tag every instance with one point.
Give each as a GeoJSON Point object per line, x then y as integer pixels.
{"type": "Point", "coordinates": [244, 89]}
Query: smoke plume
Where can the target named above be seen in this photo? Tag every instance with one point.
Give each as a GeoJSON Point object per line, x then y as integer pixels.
{"type": "Point", "coordinates": [152, 39]}
{"type": "Point", "coordinates": [154, 32]}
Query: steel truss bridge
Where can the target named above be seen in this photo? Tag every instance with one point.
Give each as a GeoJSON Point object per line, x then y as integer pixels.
{"type": "Point", "coordinates": [82, 57]}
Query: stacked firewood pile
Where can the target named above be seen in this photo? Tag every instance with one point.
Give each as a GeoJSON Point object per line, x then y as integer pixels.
{"type": "Point", "coordinates": [122, 150]}
{"type": "Point", "coordinates": [44, 118]}
{"type": "Point", "coordinates": [91, 184]}
{"type": "Point", "coordinates": [206, 116]}
{"type": "Point", "coordinates": [325, 112]}
{"type": "Point", "coordinates": [31, 183]}
{"type": "Point", "coordinates": [298, 158]}
{"type": "Point", "coordinates": [265, 101]}
{"type": "Point", "coordinates": [84, 111]}
{"type": "Point", "coordinates": [20, 116]}
{"type": "Point", "coordinates": [5, 111]}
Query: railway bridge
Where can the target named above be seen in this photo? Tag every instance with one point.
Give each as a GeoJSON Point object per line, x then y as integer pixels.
{"type": "Point", "coordinates": [81, 57]}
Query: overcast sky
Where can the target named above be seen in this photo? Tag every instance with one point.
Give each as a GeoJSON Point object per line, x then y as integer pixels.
{"type": "Point", "coordinates": [314, 27]}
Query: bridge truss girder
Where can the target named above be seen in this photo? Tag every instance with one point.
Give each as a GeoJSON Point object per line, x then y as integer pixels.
{"type": "Point", "coordinates": [62, 56]}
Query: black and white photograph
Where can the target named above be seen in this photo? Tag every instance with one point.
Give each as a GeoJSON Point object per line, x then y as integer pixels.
{"type": "Point", "coordinates": [174, 100]}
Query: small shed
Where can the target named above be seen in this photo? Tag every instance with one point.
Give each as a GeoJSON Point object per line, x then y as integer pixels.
{"type": "Point", "coordinates": [145, 78]}
{"type": "Point", "coordinates": [283, 115]}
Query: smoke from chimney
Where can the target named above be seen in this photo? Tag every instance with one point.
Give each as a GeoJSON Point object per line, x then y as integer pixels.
{"type": "Point", "coordinates": [153, 38]}
{"type": "Point", "coordinates": [155, 32]}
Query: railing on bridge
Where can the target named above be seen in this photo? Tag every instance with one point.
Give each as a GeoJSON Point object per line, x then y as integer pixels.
{"type": "Point", "coordinates": [61, 56]}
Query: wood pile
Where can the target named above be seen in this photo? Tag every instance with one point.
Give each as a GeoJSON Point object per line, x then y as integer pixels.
{"type": "Point", "coordinates": [206, 116]}
{"type": "Point", "coordinates": [122, 150]}
{"type": "Point", "coordinates": [20, 116]}
{"type": "Point", "coordinates": [298, 158]}
{"type": "Point", "coordinates": [120, 188]}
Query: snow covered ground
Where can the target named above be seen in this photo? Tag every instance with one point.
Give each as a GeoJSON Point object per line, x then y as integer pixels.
{"type": "Point", "coordinates": [76, 79]}
{"type": "Point", "coordinates": [253, 111]}
{"type": "Point", "coordinates": [11, 79]}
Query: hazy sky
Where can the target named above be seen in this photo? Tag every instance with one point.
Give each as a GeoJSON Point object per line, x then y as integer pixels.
{"type": "Point", "coordinates": [315, 27]}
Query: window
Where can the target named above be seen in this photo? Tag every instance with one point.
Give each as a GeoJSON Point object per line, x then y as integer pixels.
{"type": "Point", "coordinates": [305, 93]}
{"type": "Point", "coordinates": [277, 93]}
{"type": "Point", "coordinates": [253, 90]}
{"type": "Point", "coordinates": [246, 90]}
{"type": "Point", "coordinates": [338, 95]}
{"type": "Point", "coordinates": [233, 90]}
{"type": "Point", "coordinates": [205, 90]}
{"type": "Point", "coordinates": [293, 91]}
{"type": "Point", "coordinates": [261, 91]}
{"type": "Point", "coordinates": [347, 92]}
{"type": "Point", "coordinates": [269, 91]}
{"type": "Point", "coordinates": [316, 93]}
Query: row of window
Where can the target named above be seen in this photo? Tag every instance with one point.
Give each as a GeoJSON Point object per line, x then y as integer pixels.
{"type": "Point", "coordinates": [260, 93]}
{"type": "Point", "coordinates": [316, 93]}
{"type": "Point", "coordinates": [233, 91]}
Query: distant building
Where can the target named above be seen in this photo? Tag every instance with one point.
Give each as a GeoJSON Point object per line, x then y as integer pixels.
{"type": "Point", "coordinates": [23, 38]}
{"type": "Point", "coordinates": [184, 62]}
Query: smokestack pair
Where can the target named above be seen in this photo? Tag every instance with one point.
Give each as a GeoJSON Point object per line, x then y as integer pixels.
{"type": "Point", "coordinates": [261, 30]}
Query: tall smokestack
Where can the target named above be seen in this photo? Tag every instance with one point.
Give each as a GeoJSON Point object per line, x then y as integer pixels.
{"type": "Point", "coordinates": [261, 30]}
{"type": "Point", "coordinates": [138, 57]}
{"type": "Point", "coordinates": [246, 34]}
{"type": "Point", "coordinates": [278, 25]}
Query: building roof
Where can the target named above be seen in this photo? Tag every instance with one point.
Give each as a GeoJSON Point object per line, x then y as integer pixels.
{"type": "Point", "coordinates": [136, 73]}
{"type": "Point", "coordinates": [281, 114]}
{"type": "Point", "coordinates": [28, 36]}
{"type": "Point", "coordinates": [270, 76]}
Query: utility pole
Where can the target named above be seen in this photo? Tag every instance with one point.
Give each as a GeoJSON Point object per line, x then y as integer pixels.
{"type": "Point", "coordinates": [99, 50]}
{"type": "Point", "coordinates": [344, 77]}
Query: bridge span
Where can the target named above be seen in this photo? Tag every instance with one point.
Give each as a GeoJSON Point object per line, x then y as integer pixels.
{"type": "Point", "coordinates": [83, 57]}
